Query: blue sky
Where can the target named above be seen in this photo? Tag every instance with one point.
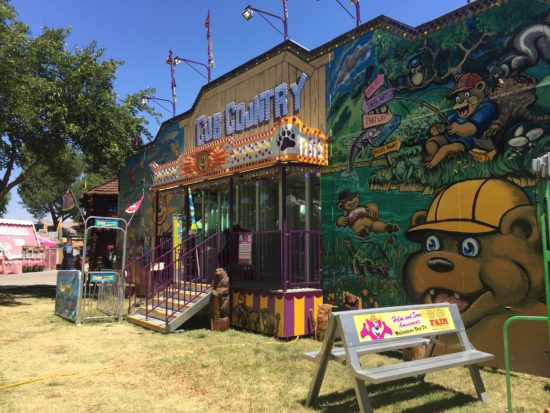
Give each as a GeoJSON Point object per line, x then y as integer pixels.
{"type": "Point", "coordinates": [141, 32]}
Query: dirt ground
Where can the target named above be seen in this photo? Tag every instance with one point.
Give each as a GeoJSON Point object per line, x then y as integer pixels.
{"type": "Point", "coordinates": [50, 365]}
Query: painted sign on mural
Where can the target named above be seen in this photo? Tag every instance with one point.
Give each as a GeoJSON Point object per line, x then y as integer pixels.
{"type": "Point", "coordinates": [433, 136]}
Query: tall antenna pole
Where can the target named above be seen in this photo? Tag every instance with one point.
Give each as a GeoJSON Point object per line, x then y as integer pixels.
{"type": "Point", "coordinates": [285, 19]}
{"type": "Point", "coordinates": [210, 65]}
{"type": "Point", "coordinates": [170, 61]}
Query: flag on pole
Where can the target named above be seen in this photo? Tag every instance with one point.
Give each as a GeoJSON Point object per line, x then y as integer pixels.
{"type": "Point", "coordinates": [68, 201]}
{"type": "Point", "coordinates": [134, 207]}
{"type": "Point", "coordinates": [209, 38]}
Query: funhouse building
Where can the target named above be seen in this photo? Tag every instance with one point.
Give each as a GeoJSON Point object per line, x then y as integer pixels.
{"type": "Point", "coordinates": [392, 163]}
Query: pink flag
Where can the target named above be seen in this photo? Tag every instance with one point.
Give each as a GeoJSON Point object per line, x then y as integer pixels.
{"type": "Point", "coordinates": [134, 207]}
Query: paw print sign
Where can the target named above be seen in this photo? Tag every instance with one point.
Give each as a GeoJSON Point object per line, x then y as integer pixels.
{"type": "Point", "coordinates": [286, 138]}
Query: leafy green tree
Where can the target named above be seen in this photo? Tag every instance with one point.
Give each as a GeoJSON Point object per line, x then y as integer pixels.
{"type": "Point", "coordinates": [54, 101]}
{"type": "Point", "coordinates": [4, 205]}
{"type": "Point", "coordinates": [41, 193]}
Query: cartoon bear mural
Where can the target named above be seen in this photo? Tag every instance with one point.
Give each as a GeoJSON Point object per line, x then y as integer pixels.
{"type": "Point", "coordinates": [456, 106]}
{"type": "Point", "coordinates": [481, 250]}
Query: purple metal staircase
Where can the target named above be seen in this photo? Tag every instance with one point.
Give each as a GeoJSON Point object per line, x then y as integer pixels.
{"type": "Point", "coordinates": [170, 285]}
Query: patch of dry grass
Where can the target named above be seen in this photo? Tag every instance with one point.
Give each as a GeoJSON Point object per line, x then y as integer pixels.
{"type": "Point", "coordinates": [122, 367]}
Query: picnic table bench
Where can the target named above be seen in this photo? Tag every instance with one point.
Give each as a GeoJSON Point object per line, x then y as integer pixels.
{"type": "Point", "coordinates": [393, 328]}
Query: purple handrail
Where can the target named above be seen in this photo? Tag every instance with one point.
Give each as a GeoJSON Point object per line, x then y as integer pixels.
{"type": "Point", "coordinates": [138, 273]}
{"type": "Point", "coordinates": [190, 273]}
{"type": "Point", "coordinates": [170, 278]}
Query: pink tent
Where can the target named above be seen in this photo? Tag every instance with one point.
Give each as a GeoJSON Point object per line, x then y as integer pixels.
{"type": "Point", "coordinates": [50, 252]}
{"type": "Point", "coordinates": [47, 243]}
{"type": "Point", "coordinates": [14, 235]}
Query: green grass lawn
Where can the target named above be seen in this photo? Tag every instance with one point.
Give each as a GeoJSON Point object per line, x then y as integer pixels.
{"type": "Point", "coordinates": [122, 367]}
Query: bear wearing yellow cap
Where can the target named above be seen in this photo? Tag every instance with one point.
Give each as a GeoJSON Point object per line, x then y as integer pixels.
{"type": "Point", "coordinates": [481, 250]}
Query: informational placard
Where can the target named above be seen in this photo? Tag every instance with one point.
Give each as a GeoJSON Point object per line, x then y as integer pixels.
{"type": "Point", "coordinates": [100, 276]}
{"type": "Point", "coordinates": [106, 223]}
{"type": "Point", "coordinates": [379, 326]}
{"type": "Point", "coordinates": [245, 249]}
{"type": "Point", "coordinates": [67, 293]}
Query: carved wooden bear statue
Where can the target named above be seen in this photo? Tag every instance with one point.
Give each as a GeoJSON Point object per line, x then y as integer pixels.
{"type": "Point", "coordinates": [219, 301]}
{"type": "Point", "coordinates": [321, 323]}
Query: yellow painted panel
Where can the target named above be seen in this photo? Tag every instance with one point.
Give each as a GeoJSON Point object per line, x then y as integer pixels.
{"type": "Point", "coordinates": [263, 301]}
{"type": "Point", "coordinates": [316, 302]}
{"type": "Point", "coordinates": [249, 300]}
{"type": "Point", "coordinates": [299, 316]}
{"type": "Point", "coordinates": [280, 309]}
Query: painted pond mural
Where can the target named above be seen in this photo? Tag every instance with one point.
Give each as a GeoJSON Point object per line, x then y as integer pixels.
{"type": "Point", "coordinates": [429, 195]}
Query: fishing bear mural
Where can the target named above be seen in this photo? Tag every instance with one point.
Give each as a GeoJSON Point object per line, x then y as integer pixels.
{"type": "Point", "coordinates": [437, 130]}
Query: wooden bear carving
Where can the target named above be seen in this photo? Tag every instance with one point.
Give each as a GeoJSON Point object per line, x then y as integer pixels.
{"type": "Point", "coordinates": [320, 325]}
{"type": "Point", "coordinates": [219, 301]}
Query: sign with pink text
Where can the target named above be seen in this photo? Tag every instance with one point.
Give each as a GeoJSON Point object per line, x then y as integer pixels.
{"type": "Point", "coordinates": [245, 249]}
{"type": "Point", "coordinates": [380, 326]}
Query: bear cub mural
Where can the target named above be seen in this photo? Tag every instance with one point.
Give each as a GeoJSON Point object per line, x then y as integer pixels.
{"type": "Point", "coordinates": [481, 250]}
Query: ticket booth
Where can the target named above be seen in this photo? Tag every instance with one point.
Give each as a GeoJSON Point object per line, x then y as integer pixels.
{"type": "Point", "coordinates": [261, 202]}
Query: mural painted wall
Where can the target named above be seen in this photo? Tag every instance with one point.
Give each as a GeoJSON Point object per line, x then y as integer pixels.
{"type": "Point", "coordinates": [429, 195]}
{"type": "Point", "coordinates": [135, 178]}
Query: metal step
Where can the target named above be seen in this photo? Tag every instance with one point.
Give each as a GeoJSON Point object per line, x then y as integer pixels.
{"type": "Point", "coordinates": [184, 294]}
{"type": "Point", "coordinates": [160, 312]}
{"type": "Point", "coordinates": [150, 323]}
{"type": "Point", "coordinates": [199, 303]}
{"type": "Point", "coordinates": [191, 286]}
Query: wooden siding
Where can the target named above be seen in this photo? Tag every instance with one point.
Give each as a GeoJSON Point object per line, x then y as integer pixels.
{"type": "Point", "coordinates": [284, 67]}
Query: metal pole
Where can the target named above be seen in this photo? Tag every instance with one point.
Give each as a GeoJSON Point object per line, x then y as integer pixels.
{"type": "Point", "coordinates": [203, 213]}
{"type": "Point", "coordinates": [543, 212]}
{"type": "Point", "coordinates": [543, 216]}
{"type": "Point", "coordinates": [285, 19]}
{"type": "Point", "coordinates": [237, 207]}
{"type": "Point", "coordinates": [308, 234]}
{"type": "Point", "coordinates": [507, 354]}
{"type": "Point", "coordinates": [257, 203]}
{"type": "Point", "coordinates": [209, 41]}
{"type": "Point", "coordinates": [284, 268]}
{"type": "Point", "coordinates": [231, 202]}
{"type": "Point", "coordinates": [219, 217]}
{"type": "Point", "coordinates": [357, 13]}
{"type": "Point", "coordinates": [156, 220]}
{"type": "Point", "coordinates": [173, 83]}
{"type": "Point", "coordinates": [123, 278]}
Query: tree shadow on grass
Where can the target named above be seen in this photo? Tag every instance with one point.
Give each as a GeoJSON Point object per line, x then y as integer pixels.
{"type": "Point", "coordinates": [10, 296]}
{"type": "Point", "coordinates": [386, 394]}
